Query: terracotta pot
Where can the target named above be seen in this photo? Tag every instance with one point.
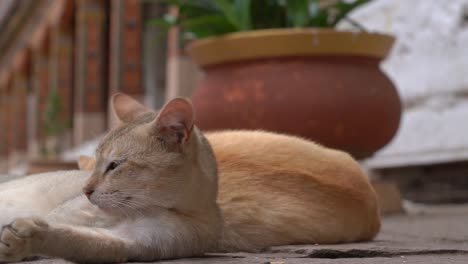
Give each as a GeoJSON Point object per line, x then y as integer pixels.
{"type": "Point", "coordinates": [323, 85]}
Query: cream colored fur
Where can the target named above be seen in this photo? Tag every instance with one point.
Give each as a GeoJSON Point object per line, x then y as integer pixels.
{"type": "Point", "coordinates": [40, 195]}
{"type": "Point", "coordinates": [161, 199]}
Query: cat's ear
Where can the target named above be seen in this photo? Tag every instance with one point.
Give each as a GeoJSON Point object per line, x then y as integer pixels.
{"type": "Point", "coordinates": [126, 108]}
{"type": "Point", "coordinates": [86, 163]}
{"type": "Point", "coordinates": [175, 121]}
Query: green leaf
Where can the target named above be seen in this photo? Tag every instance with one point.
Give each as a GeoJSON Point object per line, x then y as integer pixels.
{"type": "Point", "coordinates": [297, 12]}
{"type": "Point", "coordinates": [331, 15]}
{"type": "Point", "coordinates": [54, 125]}
{"type": "Point", "coordinates": [268, 14]}
{"type": "Point", "coordinates": [317, 16]}
{"type": "Point", "coordinates": [159, 23]}
{"type": "Point", "coordinates": [242, 9]}
{"type": "Point", "coordinates": [228, 10]}
{"type": "Point", "coordinates": [205, 4]}
{"type": "Point", "coordinates": [206, 26]}
{"type": "Point", "coordinates": [343, 8]}
{"type": "Point", "coordinates": [205, 18]}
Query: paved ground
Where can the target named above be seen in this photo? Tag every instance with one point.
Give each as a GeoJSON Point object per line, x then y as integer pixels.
{"type": "Point", "coordinates": [424, 235]}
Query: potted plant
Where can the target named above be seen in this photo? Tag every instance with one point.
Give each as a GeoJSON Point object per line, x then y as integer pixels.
{"type": "Point", "coordinates": [54, 126]}
{"type": "Point", "coordinates": [54, 129]}
{"type": "Point", "coordinates": [280, 65]}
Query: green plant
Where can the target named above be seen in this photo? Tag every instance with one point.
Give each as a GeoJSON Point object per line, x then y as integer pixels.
{"type": "Point", "coordinates": [54, 123]}
{"type": "Point", "coordinates": [206, 18]}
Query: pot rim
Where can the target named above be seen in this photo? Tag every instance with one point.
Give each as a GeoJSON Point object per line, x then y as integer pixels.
{"type": "Point", "coordinates": [268, 43]}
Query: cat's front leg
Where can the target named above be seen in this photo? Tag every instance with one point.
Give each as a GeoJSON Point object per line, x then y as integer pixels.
{"type": "Point", "coordinates": [18, 239]}
{"type": "Point", "coordinates": [27, 237]}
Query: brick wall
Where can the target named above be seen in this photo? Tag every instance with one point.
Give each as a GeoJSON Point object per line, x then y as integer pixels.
{"type": "Point", "coordinates": [83, 49]}
{"type": "Point", "coordinates": [126, 49]}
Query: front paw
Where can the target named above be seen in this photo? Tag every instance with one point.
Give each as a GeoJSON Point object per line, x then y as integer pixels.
{"type": "Point", "coordinates": [18, 238]}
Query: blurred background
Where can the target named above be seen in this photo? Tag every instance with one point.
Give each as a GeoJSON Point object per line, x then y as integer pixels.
{"type": "Point", "coordinates": [61, 60]}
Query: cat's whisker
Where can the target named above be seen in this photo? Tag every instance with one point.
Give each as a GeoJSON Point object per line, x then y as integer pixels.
{"type": "Point", "coordinates": [141, 202]}
{"type": "Point", "coordinates": [137, 203]}
{"type": "Point", "coordinates": [117, 203]}
{"type": "Point", "coordinates": [123, 211]}
{"type": "Point", "coordinates": [132, 208]}
{"type": "Point", "coordinates": [135, 193]}
{"type": "Point", "coordinates": [143, 205]}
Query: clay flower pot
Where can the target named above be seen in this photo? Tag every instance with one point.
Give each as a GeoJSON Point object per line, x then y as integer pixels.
{"type": "Point", "coordinates": [323, 85]}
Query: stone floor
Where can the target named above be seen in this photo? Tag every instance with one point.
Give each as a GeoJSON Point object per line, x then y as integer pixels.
{"type": "Point", "coordinates": [427, 234]}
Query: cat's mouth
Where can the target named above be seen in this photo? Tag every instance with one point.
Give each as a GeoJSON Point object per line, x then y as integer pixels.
{"type": "Point", "coordinates": [113, 202]}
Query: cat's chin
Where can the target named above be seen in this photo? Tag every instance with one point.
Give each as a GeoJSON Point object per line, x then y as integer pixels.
{"type": "Point", "coordinates": [115, 212]}
{"type": "Point", "coordinates": [108, 210]}
{"type": "Point", "coordinates": [111, 211]}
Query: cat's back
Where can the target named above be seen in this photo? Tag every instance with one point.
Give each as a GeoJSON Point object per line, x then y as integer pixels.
{"type": "Point", "coordinates": [266, 151]}
{"type": "Point", "coordinates": [286, 189]}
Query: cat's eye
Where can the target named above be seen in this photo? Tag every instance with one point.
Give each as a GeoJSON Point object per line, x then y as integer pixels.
{"type": "Point", "coordinates": [114, 164]}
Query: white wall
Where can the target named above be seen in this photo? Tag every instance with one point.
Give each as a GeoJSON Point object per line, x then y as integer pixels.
{"type": "Point", "coordinates": [429, 64]}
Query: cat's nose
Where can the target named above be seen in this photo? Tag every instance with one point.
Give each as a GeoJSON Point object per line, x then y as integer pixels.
{"type": "Point", "coordinates": [88, 192]}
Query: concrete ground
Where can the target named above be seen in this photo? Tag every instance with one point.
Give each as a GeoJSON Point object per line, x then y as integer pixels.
{"type": "Point", "coordinates": [427, 234]}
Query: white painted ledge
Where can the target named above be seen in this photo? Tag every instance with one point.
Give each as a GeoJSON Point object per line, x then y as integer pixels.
{"type": "Point", "coordinates": [427, 135]}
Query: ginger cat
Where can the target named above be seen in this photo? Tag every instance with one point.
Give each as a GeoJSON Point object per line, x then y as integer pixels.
{"type": "Point", "coordinates": [155, 194]}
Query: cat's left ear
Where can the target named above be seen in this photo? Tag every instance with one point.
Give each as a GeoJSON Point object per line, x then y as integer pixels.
{"type": "Point", "coordinates": [127, 108]}
{"type": "Point", "coordinates": [175, 122]}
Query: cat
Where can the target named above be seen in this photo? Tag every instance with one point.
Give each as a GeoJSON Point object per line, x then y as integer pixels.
{"type": "Point", "coordinates": [153, 193]}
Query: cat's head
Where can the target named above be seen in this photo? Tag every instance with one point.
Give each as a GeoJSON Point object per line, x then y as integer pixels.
{"type": "Point", "coordinates": [152, 160]}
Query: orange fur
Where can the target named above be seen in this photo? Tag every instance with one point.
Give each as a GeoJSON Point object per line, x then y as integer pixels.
{"type": "Point", "coordinates": [278, 190]}
{"type": "Point", "coordinates": [86, 163]}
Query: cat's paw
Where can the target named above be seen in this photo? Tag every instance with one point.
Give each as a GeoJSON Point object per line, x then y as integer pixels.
{"type": "Point", "coordinates": [18, 238]}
